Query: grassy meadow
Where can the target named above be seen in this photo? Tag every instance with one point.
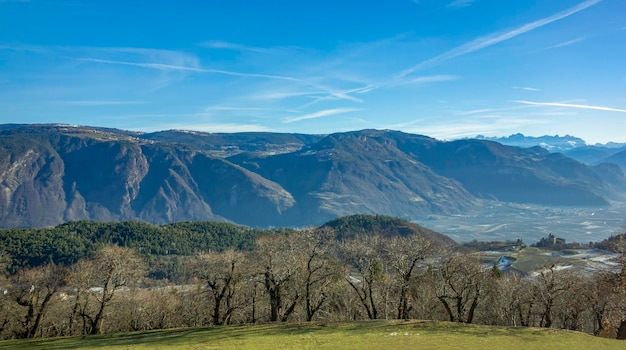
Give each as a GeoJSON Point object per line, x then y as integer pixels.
{"type": "Point", "coordinates": [344, 335]}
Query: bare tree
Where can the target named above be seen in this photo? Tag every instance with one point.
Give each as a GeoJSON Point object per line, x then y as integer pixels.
{"type": "Point", "coordinates": [602, 292]}
{"type": "Point", "coordinates": [507, 303]}
{"type": "Point", "coordinates": [403, 254]}
{"type": "Point", "coordinates": [366, 272]}
{"type": "Point", "coordinates": [223, 274]}
{"type": "Point", "coordinates": [321, 269]}
{"type": "Point", "coordinates": [98, 282]}
{"type": "Point", "coordinates": [460, 282]}
{"type": "Point", "coordinates": [81, 277]}
{"type": "Point", "coordinates": [33, 289]}
{"type": "Point", "coordinates": [574, 309]}
{"type": "Point", "coordinates": [549, 287]}
{"type": "Point", "coordinates": [281, 263]}
{"type": "Point", "coordinates": [146, 309]}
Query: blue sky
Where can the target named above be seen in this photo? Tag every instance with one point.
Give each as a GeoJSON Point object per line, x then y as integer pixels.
{"type": "Point", "coordinates": [443, 68]}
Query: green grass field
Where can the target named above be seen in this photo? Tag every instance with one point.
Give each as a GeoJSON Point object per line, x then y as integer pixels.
{"type": "Point", "coordinates": [345, 335]}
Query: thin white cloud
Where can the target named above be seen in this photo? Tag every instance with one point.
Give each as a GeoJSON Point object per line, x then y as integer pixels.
{"type": "Point", "coordinates": [321, 114]}
{"type": "Point", "coordinates": [331, 93]}
{"type": "Point", "coordinates": [25, 48]}
{"type": "Point", "coordinates": [345, 94]}
{"type": "Point", "coordinates": [99, 103]}
{"type": "Point", "coordinates": [490, 40]}
{"type": "Point", "coordinates": [158, 58]}
{"type": "Point", "coordinates": [460, 3]}
{"type": "Point", "coordinates": [170, 61]}
{"type": "Point", "coordinates": [170, 67]}
{"type": "Point", "coordinates": [341, 95]}
{"type": "Point", "coordinates": [158, 66]}
{"type": "Point", "coordinates": [280, 95]}
{"type": "Point", "coordinates": [568, 43]}
{"type": "Point", "coordinates": [491, 110]}
{"type": "Point", "coordinates": [218, 44]}
{"type": "Point", "coordinates": [229, 108]}
{"type": "Point", "coordinates": [570, 105]}
{"type": "Point", "coordinates": [526, 88]}
{"type": "Point", "coordinates": [433, 79]}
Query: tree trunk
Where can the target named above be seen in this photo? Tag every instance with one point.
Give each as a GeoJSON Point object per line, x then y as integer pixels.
{"type": "Point", "coordinates": [40, 313]}
{"type": "Point", "coordinates": [621, 331]}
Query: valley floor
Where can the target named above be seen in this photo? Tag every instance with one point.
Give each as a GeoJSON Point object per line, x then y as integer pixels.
{"type": "Point", "coordinates": [509, 221]}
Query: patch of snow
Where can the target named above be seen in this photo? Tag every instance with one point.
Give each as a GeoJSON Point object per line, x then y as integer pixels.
{"type": "Point", "coordinates": [545, 145]}
{"type": "Point", "coordinates": [573, 143]}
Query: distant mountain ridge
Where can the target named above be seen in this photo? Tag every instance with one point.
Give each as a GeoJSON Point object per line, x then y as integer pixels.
{"type": "Point", "coordinates": [50, 174]}
{"type": "Point", "coordinates": [551, 143]}
{"type": "Point", "coordinates": [573, 147]}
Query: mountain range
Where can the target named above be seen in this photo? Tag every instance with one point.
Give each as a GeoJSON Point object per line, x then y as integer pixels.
{"type": "Point", "coordinates": [51, 174]}
{"type": "Point", "coordinates": [571, 146]}
{"type": "Point", "coordinates": [551, 143]}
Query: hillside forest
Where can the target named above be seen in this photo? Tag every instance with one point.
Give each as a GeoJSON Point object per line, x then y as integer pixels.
{"type": "Point", "coordinates": [85, 278]}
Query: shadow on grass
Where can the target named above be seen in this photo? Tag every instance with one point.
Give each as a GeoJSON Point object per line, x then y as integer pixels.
{"type": "Point", "coordinates": [214, 336]}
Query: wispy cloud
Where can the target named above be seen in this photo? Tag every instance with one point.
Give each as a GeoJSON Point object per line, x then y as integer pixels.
{"type": "Point", "coordinates": [165, 60]}
{"type": "Point", "coordinates": [568, 43]}
{"type": "Point", "coordinates": [570, 105]}
{"type": "Point", "coordinates": [489, 40]}
{"type": "Point", "coordinates": [321, 114]}
{"type": "Point", "coordinates": [460, 3]}
{"type": "Point", "coordinates": [491, 110]}
{"type": "Point", "coordinates": [171, 67]}
{"type": "Point", "coordinates": [332, 94]}
{"type": "Point", "coordinates": [233, 108]}
{"type": "Point", "coordinates": [158, 66]}
{"type": "Point", "coordinates": [24, 48]}
{"type": "Point", "coordinates": [329, 93]}
{"type": "Point", "coordinates": [280, 95]}
{"type": "Point", "coordinates": [218, 44]}
{"type": "Point", "coordinates": [526, 88]}
{"type": "Point", "coordinates": [433, 78]}
{"type": "Point", "coordinates": [99, 103]}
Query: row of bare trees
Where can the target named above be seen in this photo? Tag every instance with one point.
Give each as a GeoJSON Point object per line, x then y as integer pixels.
{"type": "Point", "coordinates": [305, 276]}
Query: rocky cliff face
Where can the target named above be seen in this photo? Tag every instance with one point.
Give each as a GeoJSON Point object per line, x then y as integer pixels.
{"type": "Point", "coordinates": [31, 186]}
{"type": "Point", "coordinates": [52, 175]}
